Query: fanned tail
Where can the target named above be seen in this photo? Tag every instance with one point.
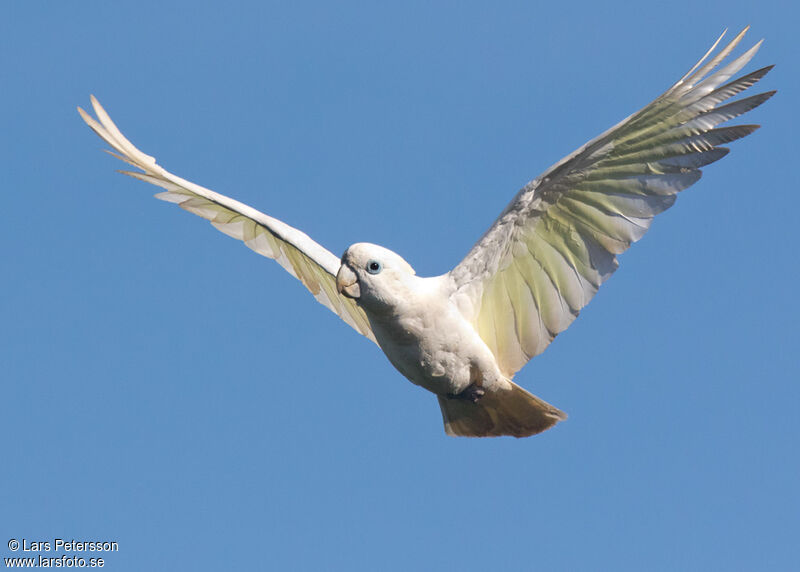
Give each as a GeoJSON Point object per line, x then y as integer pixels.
{"type": "Point", "coordinates": [512, 411]}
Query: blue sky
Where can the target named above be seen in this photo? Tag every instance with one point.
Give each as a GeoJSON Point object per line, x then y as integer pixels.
{"type": "Point", "coordinates": [166, 388]}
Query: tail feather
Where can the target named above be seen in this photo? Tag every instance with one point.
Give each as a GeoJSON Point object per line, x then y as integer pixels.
{"type": "Point", "coordinates": [511, 411]}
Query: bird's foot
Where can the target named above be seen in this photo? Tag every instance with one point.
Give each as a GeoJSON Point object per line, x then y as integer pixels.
{"type": "Point", "coordinates": [472, 393]}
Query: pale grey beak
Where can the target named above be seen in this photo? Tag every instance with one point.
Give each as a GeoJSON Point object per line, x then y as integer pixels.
{"type": "Point", "coordinates": [347, 282]}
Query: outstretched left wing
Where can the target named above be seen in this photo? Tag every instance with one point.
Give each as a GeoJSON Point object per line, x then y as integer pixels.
{"type": "Point", "coordinates": [302, 257]}
{"type": "Point", "coordinates": [553, 246]}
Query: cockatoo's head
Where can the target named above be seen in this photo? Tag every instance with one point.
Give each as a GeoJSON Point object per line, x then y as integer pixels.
{"type": "Point", "coordinates": [373, 275]}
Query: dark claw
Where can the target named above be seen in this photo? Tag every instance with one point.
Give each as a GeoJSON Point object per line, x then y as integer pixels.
{"type": "Point", "coordinates": [472, 393]}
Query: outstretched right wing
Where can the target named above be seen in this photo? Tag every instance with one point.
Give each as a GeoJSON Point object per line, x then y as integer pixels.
{"type": "Point", "coordinates": [302, 257]}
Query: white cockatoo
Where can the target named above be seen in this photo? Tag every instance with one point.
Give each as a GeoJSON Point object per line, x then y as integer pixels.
{"type": "Point", "coordinates": [464, 335]}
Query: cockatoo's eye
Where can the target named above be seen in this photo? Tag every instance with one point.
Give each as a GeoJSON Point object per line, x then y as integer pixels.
{"type": "Point", "coordinates": [374, 267]}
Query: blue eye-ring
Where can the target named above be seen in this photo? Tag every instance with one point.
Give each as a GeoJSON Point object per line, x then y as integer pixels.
{"type": "Point", "coordinates": [374, 267]}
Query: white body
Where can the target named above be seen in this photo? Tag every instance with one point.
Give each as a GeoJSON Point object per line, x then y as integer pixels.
{"type": "Point", "coordinates": [428, 340]}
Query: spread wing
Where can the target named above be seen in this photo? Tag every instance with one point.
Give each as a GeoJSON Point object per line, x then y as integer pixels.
{"type": "Point", "coordinates": [303, 258]}
{"type": "Point", "coordinates": [556, 242]}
